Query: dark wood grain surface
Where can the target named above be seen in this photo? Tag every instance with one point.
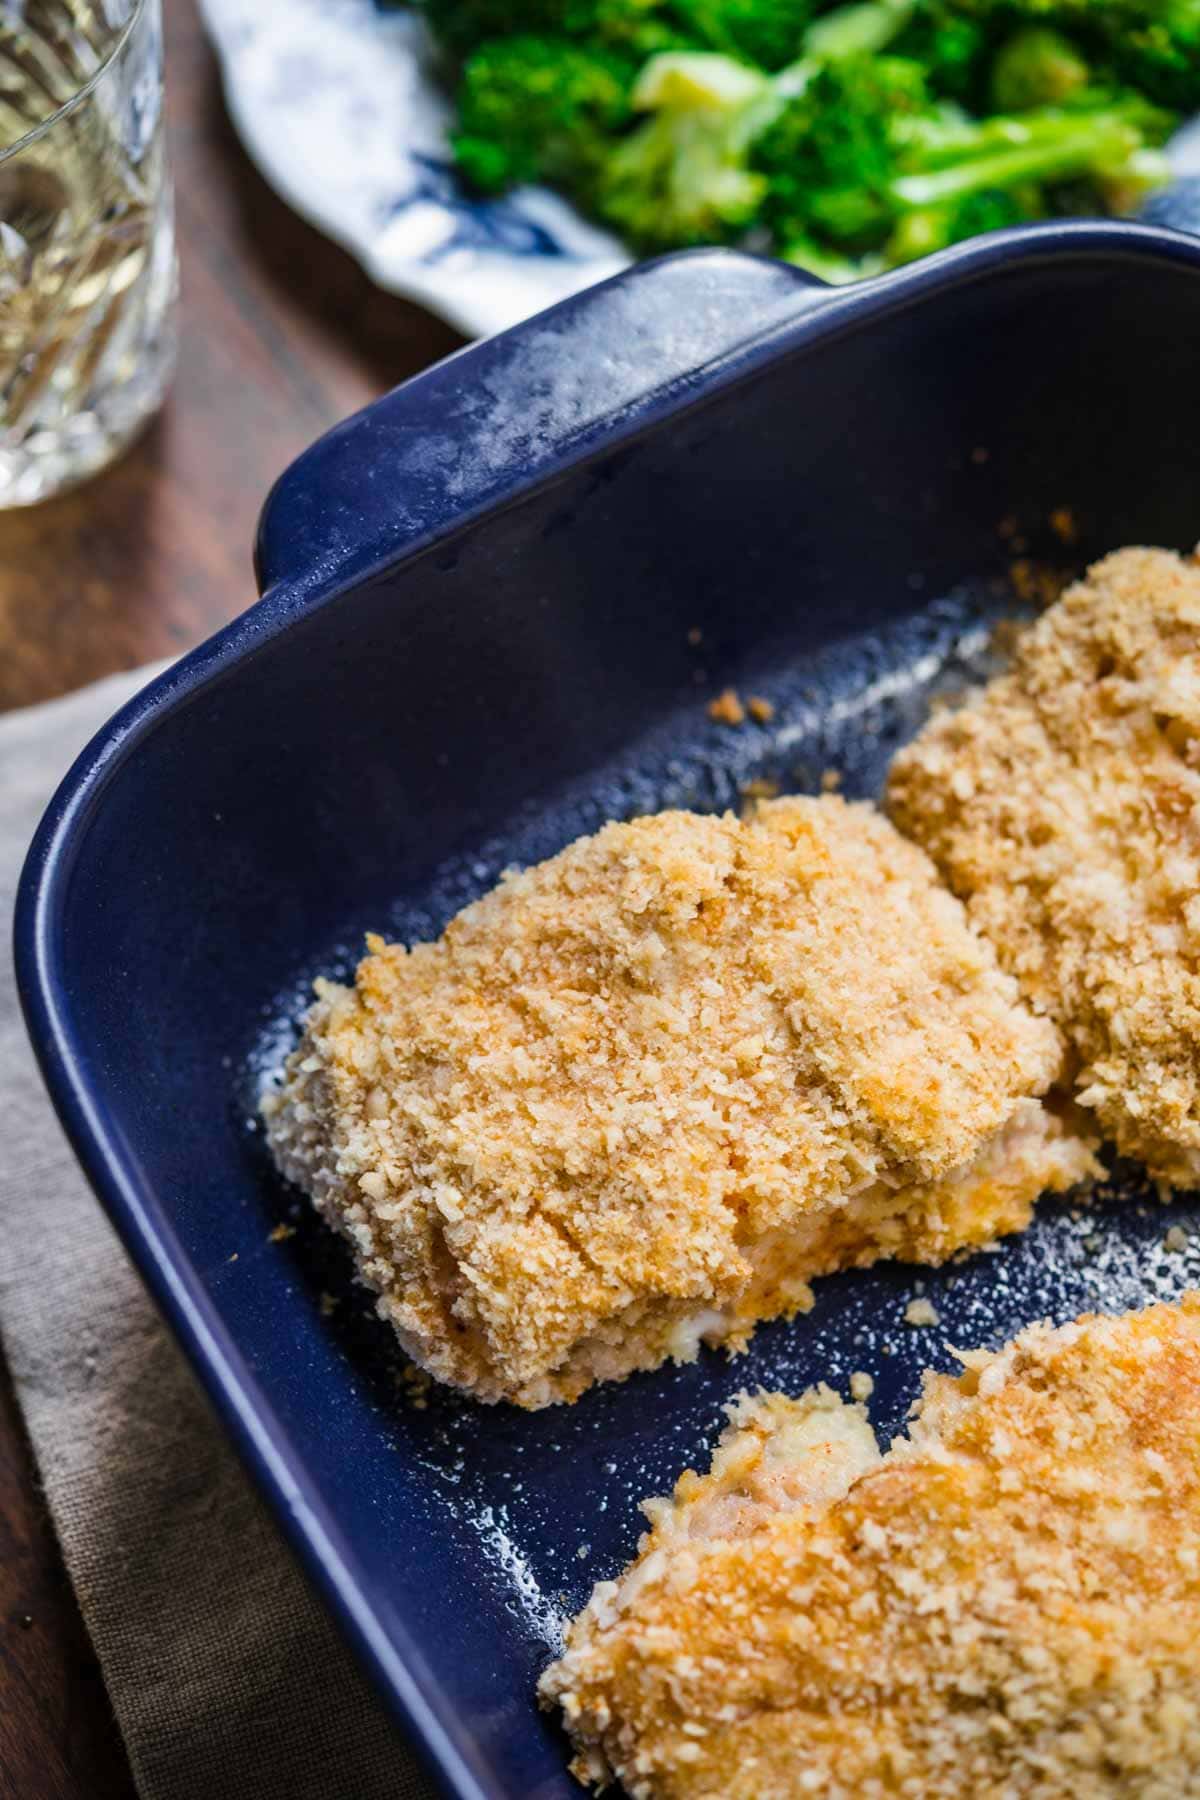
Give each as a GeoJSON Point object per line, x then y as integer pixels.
{"type": "Point", "coordinates": [281, 335]}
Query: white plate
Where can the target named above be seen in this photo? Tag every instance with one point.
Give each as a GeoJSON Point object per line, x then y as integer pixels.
{"type": "Point", "coordinates": [337, 104]}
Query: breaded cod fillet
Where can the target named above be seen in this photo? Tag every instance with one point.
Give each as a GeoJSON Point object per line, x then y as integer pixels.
{"type": "Point", "coordinates": [1005, 1606]}
{"type": "Point", "coordinates": [1063, 804]}
{"type": "Point", "coordinates": [638, 1095]}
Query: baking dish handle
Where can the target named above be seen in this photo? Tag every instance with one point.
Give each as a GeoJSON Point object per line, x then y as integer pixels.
{"type": "Point", "coordinates": [501, 415]}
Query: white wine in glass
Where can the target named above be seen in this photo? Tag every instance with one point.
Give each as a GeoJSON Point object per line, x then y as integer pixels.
{"type": "Point", "coordinates": [87, 258]}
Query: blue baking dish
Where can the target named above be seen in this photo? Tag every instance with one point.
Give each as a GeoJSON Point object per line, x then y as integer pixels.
{"type": "Point", "coordinates": [494, 607]}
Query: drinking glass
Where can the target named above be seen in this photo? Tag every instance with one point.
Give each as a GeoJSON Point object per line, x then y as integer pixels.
{"type": "Point", "coordinates": [87, 255]}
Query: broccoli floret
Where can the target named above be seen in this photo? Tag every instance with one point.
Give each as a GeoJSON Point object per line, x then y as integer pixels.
{"type": "Point", "coordinates": [538, 109]}
{"type": "Point", "coordinates": [764, 32]}
{"type": "Point", "coordinates": [955, 51]}
{"type": "Point", "coordinates": [460, 26]}
{"type": "Point", "coordinates": [926, 229]}
{"type": "Point", "coordinates": [865, 158]}
{"type": "Point", "coordinates": [829, 155]}
{"type": "Point", "coordinates": [636, 28]}
{"type": "Point", "coordinates": [1149, 45]}
{"type": "Point", "coordinates": [1161, 56]}
{"type": "Point", "coordinates": [682, 177]}
{"type": "Point", "coordinates": [768, 33]}
{"type": "Point", "coordinates": [1037, 67]}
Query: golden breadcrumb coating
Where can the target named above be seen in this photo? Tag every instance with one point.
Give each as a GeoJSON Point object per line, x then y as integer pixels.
{"type": "Point", "coordinates": [1005, 1606]}
{"type": "Point", "coordinates": [1063, 804]}
{"type": "Point", "coordinates": [637, 1096]}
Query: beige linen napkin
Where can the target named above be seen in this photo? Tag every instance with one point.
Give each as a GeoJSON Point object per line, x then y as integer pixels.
{"type": "Point", "coordinates": [227, 1679]}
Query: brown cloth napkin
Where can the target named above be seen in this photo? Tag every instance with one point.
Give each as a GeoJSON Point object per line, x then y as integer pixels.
{"type": "Point", "coordinates": [226, 1677]}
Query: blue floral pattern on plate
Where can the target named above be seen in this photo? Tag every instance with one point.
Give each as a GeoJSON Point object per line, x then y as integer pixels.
{"type": "Point", "coordinates": [337, 103]}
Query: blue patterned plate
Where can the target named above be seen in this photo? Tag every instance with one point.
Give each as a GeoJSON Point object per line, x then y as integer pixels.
{"type": "Point", "coordinates": [337, 103]}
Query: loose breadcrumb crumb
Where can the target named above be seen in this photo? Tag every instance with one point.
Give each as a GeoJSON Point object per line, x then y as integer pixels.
{"type": "Point", "coordinates": [1035, 583]}
{"type": "Point", "coordinates": [761, 788]}
{"type": "Point", "coordinates": [759, 709]}
{"type": "Point", "coordinates": [636, 1098]}
{"type": "Point", "coordinates": [727, 708]}
{"type": "Point", "coordinates": [414, 1384]}
{"type": "Point", "coordinates": [281, 1234]}
{"type": "Point", "coordinates": [1005, 1605]}
{"type": "Point", "coordinates": [922, 1312]}
{"type": "Point", "coordinates": [831, 780]}
{"type": "Point", "coordinates": [1003, 639]}
{"type": "Point", "coordinates": [1176, 1239]}
{"type": "Point", "coordinates": [1063, 524]}
{"type": "Point", "coordinates": [862, 1385]}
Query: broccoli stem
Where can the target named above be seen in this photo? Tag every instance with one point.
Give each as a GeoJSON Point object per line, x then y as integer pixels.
{"type": "Point", "coordinates": [857, 30]}
{"type": "Point", "coordinates": [829, 265]}
{"type": "Point", "coordinates": [948, 138]}
{"type": "Point", "coordinates": [696, 80]}
{"type": "Point", "coordinates": [1054, 150]}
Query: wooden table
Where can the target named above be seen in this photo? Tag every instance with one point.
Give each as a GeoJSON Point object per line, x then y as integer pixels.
{"type": "Point", "coordinates": [281, 336]}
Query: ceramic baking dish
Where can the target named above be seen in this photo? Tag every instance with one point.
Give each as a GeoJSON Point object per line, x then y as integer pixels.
{"type": "Point", "coordinates": [494, 608]}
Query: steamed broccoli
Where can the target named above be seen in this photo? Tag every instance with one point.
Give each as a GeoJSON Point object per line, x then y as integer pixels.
{"type": "Point", "coordinates": [929, 228]}
{"type": "Point", "coordinates": [844, 137]}
{"type": "Point", "coordinates": [537, 109]}
{"type": "Point", "coordinates": [1161, 55]}
{"type": "Point", "coordinates": [1037, 67]}
{"type": "Point", "coordinates": [460, 26]}
{"type": "Point", "coordinates": [765, 32]}
{"type": "Point", "coordinates": [1002, 171]}
{"type": "Point", "coordinates": [683, 177]}
{"type": "Point", "coordinates": [865, 158]}
{"type": "Point", "coordinates": [1149, 45]}
{"type": "Point", "coordinates": [637, 28]}
{"type": "Point", "coordinates": [829, 155]}
{"type": "Point", "coordinates": [1152, 46]}
{"type": "Point", "coordinates": [1107, 144]}
{"type": "Point", "coordinates": [954, 51]}
{"type": "Point", "coordinates": [702, 167]}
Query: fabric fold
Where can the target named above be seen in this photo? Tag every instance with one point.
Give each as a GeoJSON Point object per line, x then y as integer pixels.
{"type": "Point", "coordinates": [226, 1676]}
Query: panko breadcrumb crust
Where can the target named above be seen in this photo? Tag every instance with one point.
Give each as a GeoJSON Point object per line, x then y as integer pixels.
{"type": "Point", "coordinates": [1005, 1606]}
{"type": "Point", "coordinates": [1063, 804]}
{"type": "Point", "coordinates": [637, 1096]}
